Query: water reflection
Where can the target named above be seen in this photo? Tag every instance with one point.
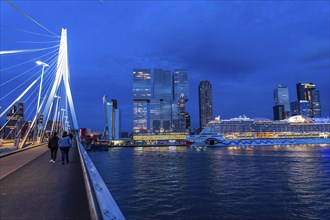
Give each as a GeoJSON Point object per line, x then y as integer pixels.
{"type": "Point", "coordinates": [285, 182]}
{"type": "Point", "coordinates": [160, 149]}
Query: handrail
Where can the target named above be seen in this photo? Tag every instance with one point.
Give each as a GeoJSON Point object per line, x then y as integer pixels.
{"type": "Point", "coordinates": [106, 204]}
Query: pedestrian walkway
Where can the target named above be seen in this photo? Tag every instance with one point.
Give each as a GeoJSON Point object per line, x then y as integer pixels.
{"type": "Point", "coordinates": [15, 161]}
{"type": "Point", "coordinates": [42, 190]}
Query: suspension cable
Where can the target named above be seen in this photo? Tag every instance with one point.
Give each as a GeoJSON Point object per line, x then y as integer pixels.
{"type": "Point", "coordinates": [26, 71]}
{"type": "Point", "coordinates": [30, 32]}
{"type": "Point", "coordinates": [55, 50]}
{"type": "Point", "coordinates": [9, 52]}
{"type": "Point", "coordinates": [26, 110]}
{"type": "Point", "coordinates": [19, 86]}
{"type": "Point", "coordinates": [29, 17]}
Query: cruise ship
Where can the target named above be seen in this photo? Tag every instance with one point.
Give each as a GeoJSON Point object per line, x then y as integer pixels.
{"type": "Point", "coordinates": [244, 131]}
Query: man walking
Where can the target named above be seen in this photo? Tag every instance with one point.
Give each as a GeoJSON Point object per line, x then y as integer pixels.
{"type": "Point", "coordinates": [65, 144]}
{"type": "Point", "coordinates": [53, 146]}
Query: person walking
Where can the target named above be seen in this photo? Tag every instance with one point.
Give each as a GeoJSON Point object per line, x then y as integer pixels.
{"type": "Point", "coordinates": [65, 143]}
{"type": "Point", "coordinates": [53, 146]}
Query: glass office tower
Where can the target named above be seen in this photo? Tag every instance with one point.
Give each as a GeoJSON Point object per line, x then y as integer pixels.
{"type": "Point", "coordinates": [163, 109]}
{"type": "Point", "coordinates": [111, 120]}
{"type": "Point", "coordinates": [300, 107]}
{"type": "Point", "coordinates": [316, 104]}
{"type": "Point", "coordinates": [307, 91]}
{"type": "Point", "coordinates": [180, 97]}
{"type": "Point", "coordinates": [141, 98]}
{"type": "Point", "coordinates": [180, 82]}
{"type": "Point", "coordinates": [161, 104]}
{"type": "Point", "coordinates": [205, 103]}
{"type": "Point", "coordinates": [281, 97]}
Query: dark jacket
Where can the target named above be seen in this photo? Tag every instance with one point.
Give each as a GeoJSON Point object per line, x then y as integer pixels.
{"type": "Point", "coordinates": [53, 142]}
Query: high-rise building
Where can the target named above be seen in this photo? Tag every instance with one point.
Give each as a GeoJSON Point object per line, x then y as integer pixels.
{"type": "Point", "coordinates": [163, 110]}
{"type": "Point", "coordinates": [180, 82]}
{"type": "Point", "coordinates": [180, 97]}
{"type": "Point", "coordinates": [307, 91]}
{"type": "Point", "coordinates": [205, 103]}
{"type": "Point", "coordinates": [14, 121]}
{"type": "Point", "coordinates": [316, 104]}
{"type": "Point", "coordinates": [300, 107]}
{"type": "Point", "coordinates": [278, 112]}
{"type": "Point", "coordinates": [281, 97]}
{"type": "Point", "coordinates": [161, 103]}
{"type": "Point", "coordinates": [141, 99]}
{"type": "Point", "coordinates": [188, 121]}
{"type": "Point", "coordinates": [112, 120]}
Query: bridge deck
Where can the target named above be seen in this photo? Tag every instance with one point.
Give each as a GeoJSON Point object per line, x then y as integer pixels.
{"type": "Point", "coordinates": [43, 190]}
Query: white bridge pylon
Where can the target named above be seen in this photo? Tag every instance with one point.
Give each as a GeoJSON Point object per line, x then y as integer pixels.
{"type": "Point", "coordinates": [62, 77]}
{"type": "Point", "coordinates": [62, 74]}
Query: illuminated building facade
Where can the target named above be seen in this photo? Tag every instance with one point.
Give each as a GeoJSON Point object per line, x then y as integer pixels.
{"type": "Point", "coordinates": [180, 97]}
{"type": "Point", "coordinates": [112, 120]}
{"type": "Point", "coordinates": [141, 99]}
{"type": "Point", "coordinates": [281, 109]}
{"type": "Point", "coordinates": [307, 91]}
{"type": "Point", "coordinates": [205, 103]}
{"type": "Point", "coordinates": [188, 121]}
{"type": "Point", "coordinates": [159, 101]}
{"type": "Point", "coordinates": [279, 113]}
{"type": "Point", "coordinates": [180, 82]}
{"type": "Point", "coordinates": [14, 122]}
{"type": "Point", "coordinates": [301, 107]}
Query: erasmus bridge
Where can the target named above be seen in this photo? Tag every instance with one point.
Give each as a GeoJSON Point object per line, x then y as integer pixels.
{"type": "Point", "coordinates": [35, 102]}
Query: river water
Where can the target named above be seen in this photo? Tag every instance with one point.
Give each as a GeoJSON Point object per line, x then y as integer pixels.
{"type": "Point", "coordinates": [273, 182]}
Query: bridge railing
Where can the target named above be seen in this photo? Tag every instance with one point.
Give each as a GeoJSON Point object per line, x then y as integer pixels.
{"type": "Point", "coordinates": [99, 197]}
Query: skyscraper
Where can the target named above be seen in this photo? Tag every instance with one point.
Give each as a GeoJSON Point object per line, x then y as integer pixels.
{"type": "Point", "coordinates": [281, 97]}
{"type": "Point", "coordinates": [166, 104]}
{"type": "Point", "coordinates": [141, 98]}
{"type": "Point", "coordinates": [278, 112]}
{"type": "Point", "coordinates": [307, 91]}
{"type": "Point", "coordinates": [161, 103]}
{"type": "Point", "coordinates": [300, 107]}
{"type": "Point", "coordinates": [205, 103]}
{"type": "Point", "coordinates": [180, 82]}
{"type": "Point", "coordinates": [181, 96]}
{"type": "Point", "coordinates": [111, 120]}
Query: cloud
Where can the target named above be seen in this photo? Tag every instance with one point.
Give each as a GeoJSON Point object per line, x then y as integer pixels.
{"type": "Point", "coordinates": [312, 51]}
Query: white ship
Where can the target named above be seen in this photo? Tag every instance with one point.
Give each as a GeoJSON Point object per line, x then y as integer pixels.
{"type": "Point", "coordinates": [243, 131]}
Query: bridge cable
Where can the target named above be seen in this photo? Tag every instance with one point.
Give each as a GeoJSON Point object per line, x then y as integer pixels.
{"type": "Point", "coordinates": [19, 85]}
{"type": "Point", "coordinates": [10, 52]}
{"type": "Point", "coordinates": [25, 31]}
{"type": "Point", "coordinates": [8, 81]}
{"type": "Point", "coordinates": [29, 17]}
{"type": "Point", "coordinates": [16, 65]}
{"type": "Point", "coordinates": [31, 112]}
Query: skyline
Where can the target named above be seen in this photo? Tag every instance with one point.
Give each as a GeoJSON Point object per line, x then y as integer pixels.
{"type": "Point", "coordinates": [245, 49]}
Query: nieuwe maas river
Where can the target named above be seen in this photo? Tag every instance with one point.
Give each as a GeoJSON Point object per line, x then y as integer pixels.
{"type": "Point", "coordinates": [287, 182]}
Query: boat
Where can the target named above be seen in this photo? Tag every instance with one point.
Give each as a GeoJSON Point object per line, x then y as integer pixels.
{"type": "Point", "coordinates": [244, 131]}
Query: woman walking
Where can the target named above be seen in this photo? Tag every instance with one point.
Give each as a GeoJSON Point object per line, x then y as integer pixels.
{"type": "Point", "coordinates": [53, 146]}
{"type": "Point", "coordinates": [65, 144]}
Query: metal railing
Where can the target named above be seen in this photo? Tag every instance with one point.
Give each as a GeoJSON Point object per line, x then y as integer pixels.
{"type": "Point", "coordinates": [99, 197]}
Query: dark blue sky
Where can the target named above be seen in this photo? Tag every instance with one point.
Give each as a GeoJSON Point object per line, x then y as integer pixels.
{"type": "Point", "coordinates": [245, 48]}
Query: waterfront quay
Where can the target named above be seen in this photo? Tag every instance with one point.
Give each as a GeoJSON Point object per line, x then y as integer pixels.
{"type": "Point", "coordinates": [33, 188]}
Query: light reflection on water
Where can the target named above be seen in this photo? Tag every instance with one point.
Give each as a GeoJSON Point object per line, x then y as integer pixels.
{"type": "Point", "coordinates": [281, 182]}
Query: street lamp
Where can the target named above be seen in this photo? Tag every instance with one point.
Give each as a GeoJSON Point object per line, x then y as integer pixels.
{"type": "Point", "coordinates": [38, 105]}
{"type": "Point", "coordinates": [63, 110]}
{"type": "Point", "coordinates": [65, 121]}
{"type": "Point", "coordinates": [55, 113]}
{"type": "Point", "coordinates": [41, 79]}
